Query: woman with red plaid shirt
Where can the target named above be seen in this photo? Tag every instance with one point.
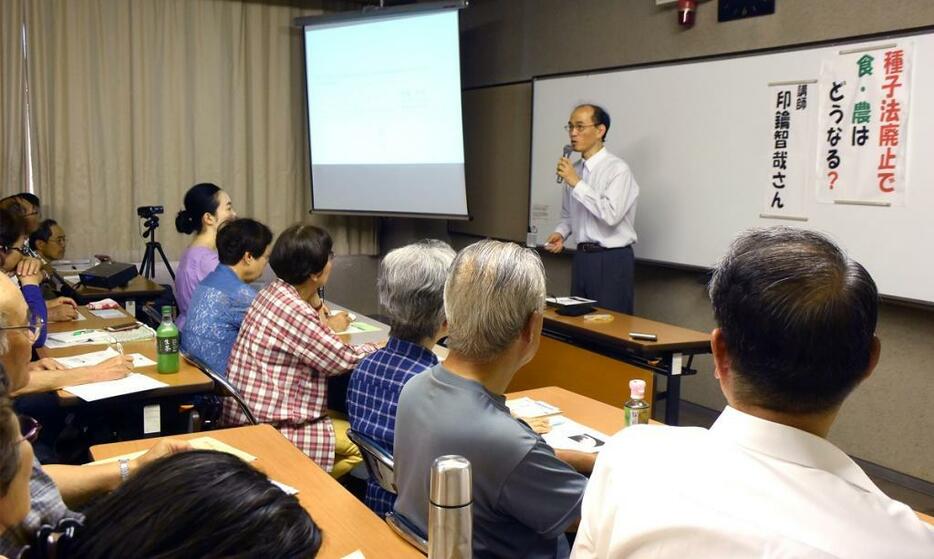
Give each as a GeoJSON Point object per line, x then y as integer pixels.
{"type": "Point", "coordinates": [287, 348]}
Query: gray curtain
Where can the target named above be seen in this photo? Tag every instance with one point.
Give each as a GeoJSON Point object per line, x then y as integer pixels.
{"type": "Point", "coordinates": [134, 101]}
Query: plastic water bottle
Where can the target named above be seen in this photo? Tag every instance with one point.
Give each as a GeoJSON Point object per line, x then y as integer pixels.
{"type": "Point", "coordinates": [637, 409]}
{"type": "Point", "coordinates": [167, 343]}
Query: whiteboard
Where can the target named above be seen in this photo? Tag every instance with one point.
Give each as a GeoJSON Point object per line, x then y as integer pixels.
{"type": "Point", "coordinates": [696, 138]}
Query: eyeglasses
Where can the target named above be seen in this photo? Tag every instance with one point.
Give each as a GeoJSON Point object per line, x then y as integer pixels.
{"type": "Point", "coordinates": [28, 428]}
{"type": "Point", "coordinates": [33, 326]}
{"type": "Point", "coordinates": [579, 127]}
{"type": "Point", "coordinates": [59, 240]}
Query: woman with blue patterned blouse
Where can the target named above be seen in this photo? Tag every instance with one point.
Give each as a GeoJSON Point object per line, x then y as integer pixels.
{"type": "Point", "coordinates": [221, 300]}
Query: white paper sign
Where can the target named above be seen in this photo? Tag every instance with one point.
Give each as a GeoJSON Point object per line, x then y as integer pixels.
{"type": "Point", "coordinates": [791, 147]}
{"type": "Point", "coordinates": [863, 130]}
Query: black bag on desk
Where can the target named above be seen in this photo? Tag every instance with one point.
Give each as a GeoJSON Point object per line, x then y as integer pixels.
{"type": "Point", "coordinates": [571, 306]}
{"type": "Point", "coordinates": [108, 275]}
{"type": "Point", "coordinates": [575, 310]}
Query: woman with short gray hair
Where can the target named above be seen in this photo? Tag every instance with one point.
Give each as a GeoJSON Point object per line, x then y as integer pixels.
{"type": "Point", "coordinates": [411, 290]}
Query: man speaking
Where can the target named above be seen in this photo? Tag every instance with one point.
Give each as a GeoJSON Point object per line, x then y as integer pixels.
{"type": "Point", "coordinates": [599, 208]}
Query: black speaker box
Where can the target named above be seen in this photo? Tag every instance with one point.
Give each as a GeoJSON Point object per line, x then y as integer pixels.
{"type": "Point", "coordinates": [108, 275]}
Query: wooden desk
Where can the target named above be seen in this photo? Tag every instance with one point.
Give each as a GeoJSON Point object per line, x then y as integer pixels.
{"type": "Point", "coordinates": [581, 371]}
{"type": "Point", "coordinates": [670, 356]}
{"type": "Point", "coordinates": [346, 523]}
{"type": "Point", "coordinates": [595, 414]}
{"type": "Point", "coordinates": [90, 322]}
{"type": "Point", "coordinates": [188, 380]}
{"type": "Point", "coordinates": [377, 337]}
{"type": "Point", "coordinates": [138, 287]}
{"type": "Point", "coordinates": [586, 411]}
{"type": "Point", "coordinates": [671, 339]}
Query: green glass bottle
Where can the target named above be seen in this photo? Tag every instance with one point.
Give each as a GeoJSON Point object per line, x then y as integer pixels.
{"type": "Point", "coordinates": [167, 343]}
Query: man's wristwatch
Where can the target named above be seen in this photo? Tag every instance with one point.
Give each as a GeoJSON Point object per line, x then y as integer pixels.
{"type": "Point", "coordinates": [124, 468]}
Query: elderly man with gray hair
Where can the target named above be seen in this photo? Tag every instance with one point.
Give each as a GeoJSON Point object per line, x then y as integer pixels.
{"type": "Point", "coordinates": [411, 289]}
{"type": "Point", "coordinates": [524, 495]}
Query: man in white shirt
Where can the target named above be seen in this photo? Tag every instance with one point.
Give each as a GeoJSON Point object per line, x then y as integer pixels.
{"type": "Point", "coordinates": [796, 322]}
{"type": "Point", "coordinates": [599, 209]}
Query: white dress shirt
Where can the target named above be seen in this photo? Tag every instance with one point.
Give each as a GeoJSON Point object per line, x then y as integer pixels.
{"type": "Point", "coordinates": [746, 488]}
{"type": "Point", "coordinates": [601, 208]}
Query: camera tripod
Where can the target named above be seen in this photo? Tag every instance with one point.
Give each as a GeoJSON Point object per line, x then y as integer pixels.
{"type": "Point", "coordinates": [147, 267]}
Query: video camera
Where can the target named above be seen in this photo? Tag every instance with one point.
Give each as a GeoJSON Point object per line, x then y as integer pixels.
{"type": "Point", "coordinates": [147, 212]}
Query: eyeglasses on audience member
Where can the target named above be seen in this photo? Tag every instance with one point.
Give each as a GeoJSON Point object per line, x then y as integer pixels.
{"type": "Point", "coordinates": [28, 428]}
{"type": "Point", "coordinates": [33, 325]}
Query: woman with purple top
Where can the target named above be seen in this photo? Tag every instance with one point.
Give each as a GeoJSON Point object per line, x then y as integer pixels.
{"type": "Point", "coordinates": [207, 207]}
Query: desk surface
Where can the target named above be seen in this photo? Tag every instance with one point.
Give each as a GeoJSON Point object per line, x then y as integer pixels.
{"type": "Point", "coordinates": [90, 322]}
{"type": "Point", "coordinates": [188, 380]}
{"type": "Point", "coordinates": [586, 411]}
{"type": "Point", "coordinates": [136, 287]}
{"type": "Point", "coordinates": [346, 523]}
{"type": "Point", "coordinates": [670, 338]}
{"type": "Point", "coordinates": [600, 416]}
{"type": "Point", "coordinates": [377, 337]}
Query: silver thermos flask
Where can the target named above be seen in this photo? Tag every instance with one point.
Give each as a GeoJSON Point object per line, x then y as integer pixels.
{"type": "Point", "coordinates": [450, 515]}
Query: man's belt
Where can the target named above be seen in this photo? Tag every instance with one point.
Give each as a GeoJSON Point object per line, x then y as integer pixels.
{"type": "Point", "coordinates": [596, 247]}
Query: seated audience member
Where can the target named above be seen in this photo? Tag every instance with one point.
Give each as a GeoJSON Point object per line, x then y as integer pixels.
{"type": "Point", "coordinates": [54, 486]}
{"type": "Point", "coordinates": [48, 374]}
{"type": "Point", "coordinates": [15, 465]}
{"type": "Point", "coordinates": [411, 290]}
{"type": "Point", "coordinates": [48, 240]}
{"type": "Point", "coordinates": [27, 272]}
{"type": "Point", "coordinates": [220, 301]}
{"type": "Point", "coordinates": [287, 349]}
{"type": "Point", "coordinates": [47, 243]}
{"type": "Point", "coordinates": [796, 320]}
{"type": "Point", "coordinates": [202, 503]}
{"type": "Point", "coordinates": [27, 206]}
{"type": "Point", "coordinates": [525, 495]}
{"type": "Point", "coordinates": [207, 207]}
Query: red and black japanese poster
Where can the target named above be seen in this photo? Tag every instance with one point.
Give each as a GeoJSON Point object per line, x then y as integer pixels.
{"type": "Point", "coordinates": [863, 125]}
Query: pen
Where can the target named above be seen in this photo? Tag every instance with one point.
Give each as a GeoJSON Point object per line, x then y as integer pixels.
{"type": "Point", "coordinates": [117, 346]}
{"type": "Point", "coordinates": [643, 336]}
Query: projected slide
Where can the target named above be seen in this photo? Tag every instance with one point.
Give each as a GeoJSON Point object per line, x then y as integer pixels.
{"type": "Point", "coordinates": [384, 115]}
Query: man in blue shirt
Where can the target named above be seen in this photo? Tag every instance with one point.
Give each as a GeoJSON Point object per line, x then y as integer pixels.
{"type": "Point", "coordinates": [221, 300]}
{"type": "Point", "coordinates": [411, 289]}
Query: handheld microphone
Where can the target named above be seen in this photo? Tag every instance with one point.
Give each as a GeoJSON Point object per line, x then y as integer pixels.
{"type": "Point", "coordinates": [566, 152]}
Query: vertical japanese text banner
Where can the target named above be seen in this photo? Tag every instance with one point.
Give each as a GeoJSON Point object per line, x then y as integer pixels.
{"type": "Point", "coordinates": [791, 145]}
{"type": "Point", "coordinates": [862, 135]}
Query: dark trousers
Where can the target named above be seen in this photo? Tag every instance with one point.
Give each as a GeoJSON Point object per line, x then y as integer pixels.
{"type": "Point", "coordinates": [606, 276]}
